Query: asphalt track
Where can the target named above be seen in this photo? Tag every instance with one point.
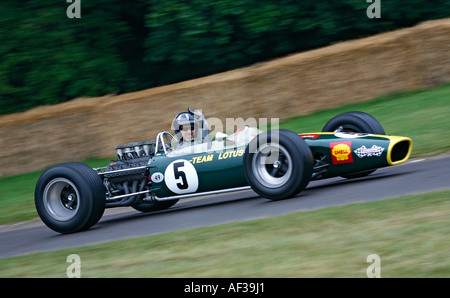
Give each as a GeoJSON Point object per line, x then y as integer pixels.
{"type": "Point", "coordinates": [415, 176]}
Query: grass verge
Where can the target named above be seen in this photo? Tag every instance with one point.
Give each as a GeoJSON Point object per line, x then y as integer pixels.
{"type": "Point", "coordinates": [409, 234]}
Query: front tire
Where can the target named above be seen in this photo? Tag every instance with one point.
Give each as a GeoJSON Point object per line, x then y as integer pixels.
{"type": "Point", "coordinates": [355, 122]}
{"type": "Point", "coordinates": [278, 164]}
{"type": "Point", "coordinates": [70, 197]}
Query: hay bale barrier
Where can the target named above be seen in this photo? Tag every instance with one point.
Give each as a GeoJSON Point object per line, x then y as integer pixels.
{"type": "Point", "coordinates": [348, 72]}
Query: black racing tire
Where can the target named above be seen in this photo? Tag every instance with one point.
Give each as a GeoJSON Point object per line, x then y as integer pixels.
{"type": "Point", "coordinates": [154, 206]}
{"type": "Point", "coordinates": [278, 176]}
{"type": "Point", "coordinates": [70, 197]}
{"type": "Point", "coordinates": [355, 122]}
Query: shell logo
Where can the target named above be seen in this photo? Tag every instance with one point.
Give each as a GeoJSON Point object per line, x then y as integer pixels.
{"type": "Point", "coordinates": [341, 152]}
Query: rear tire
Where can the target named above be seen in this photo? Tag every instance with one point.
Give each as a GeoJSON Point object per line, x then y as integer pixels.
{"type": "Point", "coordinates": [355, 122]}
{"type": "Point", "coordinates": [70, 197]}
{"type": "Point", "coordinates": [278, 164]}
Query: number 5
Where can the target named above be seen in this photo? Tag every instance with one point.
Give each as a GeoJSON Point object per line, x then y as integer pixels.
{"type": "Point", "coordinates": [181, 177]}
{"type": "Point", "coordinates": [180, 174]}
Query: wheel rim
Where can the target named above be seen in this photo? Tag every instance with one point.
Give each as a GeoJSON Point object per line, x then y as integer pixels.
{"type": "Point", "coordinates": [272, 165]}
{"type": "Point", "coordinates": [61, 199]}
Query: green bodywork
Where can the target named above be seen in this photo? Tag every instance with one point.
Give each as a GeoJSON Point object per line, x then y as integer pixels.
{"type": "Point", "coordinates": [351, 163]}
{"type": "Point", "coordinates": [340, 154]}
{"type": "Point", "coordinates": [215, 170]}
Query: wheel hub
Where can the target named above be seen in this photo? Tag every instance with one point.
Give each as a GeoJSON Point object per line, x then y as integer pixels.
{"type": "Point", "coordinates": [272, 173]}
{"type": "Point", "coordinates": [60, 199]}
{"type": "Point", "coordinates": [69, 198]}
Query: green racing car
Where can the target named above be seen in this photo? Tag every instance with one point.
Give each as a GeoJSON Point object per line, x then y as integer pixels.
{"type": "Point", "coordinates": [155, 174]}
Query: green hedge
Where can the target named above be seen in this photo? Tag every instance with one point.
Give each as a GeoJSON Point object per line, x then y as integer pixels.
{"type": "Point", "coordinates": [123, 46]}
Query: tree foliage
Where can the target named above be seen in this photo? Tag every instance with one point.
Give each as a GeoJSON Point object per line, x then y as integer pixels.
{"type": "Point", "coordinates": [122, 46]}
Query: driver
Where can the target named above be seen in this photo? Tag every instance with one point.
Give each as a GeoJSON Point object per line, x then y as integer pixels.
{"type": "Point", "coordinates": [184, 128]}
{"type": "Point", "coordinates": [190, 127]}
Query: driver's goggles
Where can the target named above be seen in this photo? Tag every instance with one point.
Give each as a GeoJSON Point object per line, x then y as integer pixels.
{"type": "Point", "coordinates": [186, 127]}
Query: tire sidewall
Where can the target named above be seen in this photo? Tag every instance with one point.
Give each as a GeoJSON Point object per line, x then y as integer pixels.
{"type": "Point", "coordinates": [356, 121]}
{"type": "Point", "coordinates": [82, 218]}
{"type": "Point", "coordinates": [302, 164]}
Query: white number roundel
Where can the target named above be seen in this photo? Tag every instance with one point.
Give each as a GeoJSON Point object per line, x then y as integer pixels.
{"type": "Point", "coordinates": [181, 177]}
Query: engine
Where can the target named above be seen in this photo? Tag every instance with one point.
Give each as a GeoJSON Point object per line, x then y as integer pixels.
{"type": "Point", "coordinates": [135, 150]}
{"type": "Point", "coordinates": [128, 174]}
